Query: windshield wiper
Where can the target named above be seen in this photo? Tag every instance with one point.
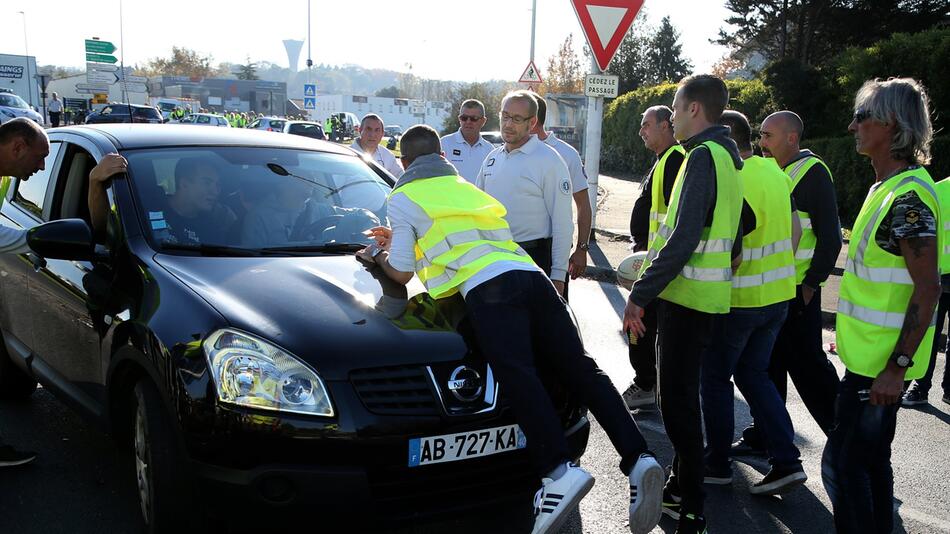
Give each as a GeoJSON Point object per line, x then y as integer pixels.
{"type": "Point", "coordinates": [212, 250]}
{"type": "Point", "coordinates": [329, 248]}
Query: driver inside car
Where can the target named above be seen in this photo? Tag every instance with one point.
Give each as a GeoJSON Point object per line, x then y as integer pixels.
{"type": "Point", "coordinates": [271, 222]}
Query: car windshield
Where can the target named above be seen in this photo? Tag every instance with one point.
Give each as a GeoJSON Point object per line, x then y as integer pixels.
{"type": "Point", "coordinates": [12, 101]}
{"type": "Point", "coordinates": [241, 200]}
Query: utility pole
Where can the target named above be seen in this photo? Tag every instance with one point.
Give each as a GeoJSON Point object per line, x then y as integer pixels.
{"type": "Point", "coordinates": [26, 48]}
{"type": "Point", "coordinates": [534, 17]}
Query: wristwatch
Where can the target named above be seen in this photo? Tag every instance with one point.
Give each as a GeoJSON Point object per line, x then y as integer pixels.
{"type": "Point", "coordinates": [583, 246]}
{"type": "Point", "coordinates": [902, 360]}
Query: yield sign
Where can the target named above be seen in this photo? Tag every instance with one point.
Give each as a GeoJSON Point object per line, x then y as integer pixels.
{"type": "Point", "coordinates": [530, 74]}
{"type": "Point", "coordinates": [605, 22]}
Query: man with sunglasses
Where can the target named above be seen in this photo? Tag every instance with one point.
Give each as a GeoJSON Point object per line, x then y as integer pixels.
{"type": "Point", "coordinates": [532, 181]}
{"type": "Point", "coordinates": [466, 149]}
{"type": "Point", "coordinates": [798, 350]}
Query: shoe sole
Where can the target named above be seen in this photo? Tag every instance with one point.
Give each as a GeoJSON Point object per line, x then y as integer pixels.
{"type": "Point", "coordinates": [914, 402]}
{"type": "Point", "coordinates": [569, 506]}
{"type": "Point", "coordinates": [718, 481]}
{"type": "Point", "coordinates": [649, 507]}
{"type": "Point", "coordinates": [781, 485]}
{"type": "Point", "coordinates": [14, 463]}
{"type": "Point", "coordinates": [672, 514]}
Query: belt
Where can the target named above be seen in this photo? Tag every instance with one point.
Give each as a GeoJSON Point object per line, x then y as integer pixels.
{"type": "Point", "coordinates": [536, 243]}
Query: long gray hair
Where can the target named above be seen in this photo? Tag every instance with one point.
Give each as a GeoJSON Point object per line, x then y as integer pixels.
{"type": "Point", "coordinates": [904, 103]}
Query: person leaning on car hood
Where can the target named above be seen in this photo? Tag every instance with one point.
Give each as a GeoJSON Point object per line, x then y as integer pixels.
{"type": "Point", "coordinates": [23, 150]}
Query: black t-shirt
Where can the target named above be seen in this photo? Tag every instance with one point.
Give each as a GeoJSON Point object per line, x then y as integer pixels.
{"type": "Point", "coordinates": [207, 228]}
{"type": "Point", "coordinates": [640, 216]}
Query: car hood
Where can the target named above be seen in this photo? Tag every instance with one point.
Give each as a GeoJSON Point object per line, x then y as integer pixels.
{"type": "Point", "coordinates": [329, 311]}
{"type": "Point", "coordinates": [20, 112]}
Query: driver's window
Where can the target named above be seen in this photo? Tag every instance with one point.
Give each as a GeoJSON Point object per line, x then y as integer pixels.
{"type": "Point", "coordinates": [204, 119]}
{"type": "Point", "coordinates": [72, 192]}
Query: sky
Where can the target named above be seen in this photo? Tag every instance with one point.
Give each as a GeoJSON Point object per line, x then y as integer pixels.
{"type": "Point", "coordinates": [444, 39]}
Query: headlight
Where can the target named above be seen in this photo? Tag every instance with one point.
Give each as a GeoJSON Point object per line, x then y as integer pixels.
{"type": "Point", "coordinates": [248, 371]}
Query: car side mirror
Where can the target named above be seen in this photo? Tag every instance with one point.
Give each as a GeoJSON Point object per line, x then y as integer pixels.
{"type": "Point", "coordinates": [65, 239]}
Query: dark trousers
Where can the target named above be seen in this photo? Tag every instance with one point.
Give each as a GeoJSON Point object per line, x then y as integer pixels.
{"type": "Point", "coordinates": [798, 354]}
{"type": "Point", "coordinates": [683, 335]}
{"type": "Point", "coordinates": [54, 118]}
{"type": "Point", "coordinates": [540, 251]}
{"type": "Point", "coordinates": [643, 353]}
{"type": "Point", "coordinates": [924, 384]}
{"type": "Point", "coordinates": [856, 465]}
{"type": "Point", "coordinates": [741, 347]}
{"type": "Point", "coordinates": [521, 324]}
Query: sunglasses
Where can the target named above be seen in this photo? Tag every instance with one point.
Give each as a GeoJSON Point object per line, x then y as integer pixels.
{"type": "Point", "coordinates": [469, 118]}
{"type": "Point", "coordinates": [861, 115]}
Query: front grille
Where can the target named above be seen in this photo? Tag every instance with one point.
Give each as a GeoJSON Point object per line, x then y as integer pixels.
{"type": "Point", "coordinates": [395, 390]}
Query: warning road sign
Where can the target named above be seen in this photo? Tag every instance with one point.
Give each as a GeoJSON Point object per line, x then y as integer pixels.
{"type": "Point", "coordinates": [309, 89]}
{"type": "Point", "coordinates": [531, 75]}
{"type": "Point", "coordinates": [309, 102]}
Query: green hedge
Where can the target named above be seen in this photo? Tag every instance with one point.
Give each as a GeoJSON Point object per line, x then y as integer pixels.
{"type": "Point", "coordinates": [853, 173]}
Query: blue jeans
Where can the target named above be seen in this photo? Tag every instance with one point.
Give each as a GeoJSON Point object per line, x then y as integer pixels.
{"type": "Point", "coordinates": [856, 464]}
{"type": "Point", "coordinates": [741, 347]}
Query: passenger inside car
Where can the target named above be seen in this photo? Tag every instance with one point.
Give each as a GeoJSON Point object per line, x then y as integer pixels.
{"type": "Point", "coordinates": [271, 221]}
{"type": "Point", "coordinates": [194, 215]}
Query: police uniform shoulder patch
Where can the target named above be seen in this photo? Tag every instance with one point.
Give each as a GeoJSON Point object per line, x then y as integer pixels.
{"type": "Point", "coordinates": [566, 186]}
{"type": "Point", "coordinates": [456, 152]}
{"type": "Point", "coordinates": [911, 216]}
{"type": "Point", "coordinates": [491, 161]}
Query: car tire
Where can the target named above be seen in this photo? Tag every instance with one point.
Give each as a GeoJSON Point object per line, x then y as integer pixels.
{"type": "Point", "coordinates": [163, 485]}
{"type": "Point", "coordinates": [14, 383]}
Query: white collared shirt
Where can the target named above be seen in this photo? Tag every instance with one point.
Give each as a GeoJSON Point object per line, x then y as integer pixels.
{"type": "Point", "coordinates": [383, 157]}
{"type": "Point", "coordinates": [534, 185]}
{"type": "Point", "coordinates": [572, 159]}
{"type": "Point", "coordinates": [465, 157]}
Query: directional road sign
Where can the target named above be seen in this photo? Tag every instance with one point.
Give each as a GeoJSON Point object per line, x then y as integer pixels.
{"type": "Point", "coordinates": [102, 67]}
{"type": "Point", "coordinates": [98, 87]}
{"type": "Point", "coordinates": [133, 79]}
{"type": "Point", "coordinates": [94, 76]}
{"type": "Point", "coordinates": [91, 91]}
{"type": "Point", "coordinates": [530, 75]}
{"type": "Point", "coordinates": [99, 47]}
{"type": "Point", "coordinates": [134, 87]}
{"type": "Point", "coordinates": [100, 58]}
{"type": "Point", "coordinates": [309, 89]}
{"type": "Point", "coordinates": [605, 22]}
{"type": "Point", "coordinates": [309, 102]}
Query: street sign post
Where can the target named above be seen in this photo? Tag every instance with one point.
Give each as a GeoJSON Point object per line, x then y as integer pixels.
{"type": "Point", "coordinates": [100, 58]}
{"type": "Point", "coordinates": [605, 22]}
{"type": "Point", "coordinates": [101, 67]}
{"type": "Point", "coordinates": [97, 87]}
{"type": "Point", "coordinates": [604, 85]}
{"type": "Point", "coordinates": [91, 91]}
{"type": "Point", "coordinates": [94, 76]}
{"type": "Point", "coordinates": [99, 47]}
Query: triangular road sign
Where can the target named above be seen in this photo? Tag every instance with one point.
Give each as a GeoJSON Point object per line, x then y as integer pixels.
{"type": "Point", "coordinates": [605, 22]}
{"type": "Point", "coordinates": [530, 75]}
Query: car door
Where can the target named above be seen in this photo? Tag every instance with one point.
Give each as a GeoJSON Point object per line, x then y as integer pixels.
{"type": "Point", "coordinates": [23, 208]}
{"type": "Point", "coordinates": [68, 323]}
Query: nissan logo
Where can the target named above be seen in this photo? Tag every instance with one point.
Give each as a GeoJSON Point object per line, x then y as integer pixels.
{"type": "Point", "coordinates": [465, 384]}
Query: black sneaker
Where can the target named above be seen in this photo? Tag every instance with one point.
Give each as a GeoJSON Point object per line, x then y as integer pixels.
{"type": "Point", "coordinates": [745, 448]}
{"type": "Point", "coordinates": [671, 503]}
{"type": "Point", "coordinates": [779, 481]}
{"type": "Point", "coordinates": [718, 476]}
{"type": "Point", "coordinates": [10, 457]}
{"type": "Point", "coordinates": [691, 524]}
{"type": "Point", "coordinates": [914, 397]}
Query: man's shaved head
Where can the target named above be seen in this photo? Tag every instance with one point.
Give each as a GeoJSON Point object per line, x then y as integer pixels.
{"type": "Point", "coordinates": [780, 136]}
{"type": "Point", "coordinates": [788, 121]}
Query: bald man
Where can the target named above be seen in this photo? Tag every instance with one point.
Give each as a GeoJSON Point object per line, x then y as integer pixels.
{"type": "Point", "coordinates": [798, 350]}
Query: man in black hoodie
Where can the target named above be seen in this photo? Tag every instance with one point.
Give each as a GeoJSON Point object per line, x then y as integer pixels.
{"type": "Point", "coordinates": [689, 270]}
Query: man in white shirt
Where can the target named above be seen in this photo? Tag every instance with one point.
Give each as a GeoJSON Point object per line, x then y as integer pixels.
{"type": "Point", "coordinates": [55, 109]}
{"type": "Point", "coordinates": [371, 133]}
{"type": "Point", "coordinates": [466, 149]}
{"type": "Point", "coordinates": [578, 261]}
{"type": "Point", "coordinates": [532, 181]}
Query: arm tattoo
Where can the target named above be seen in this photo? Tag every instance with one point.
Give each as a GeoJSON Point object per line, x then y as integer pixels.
{"type": "Point", "coordinates": [911, 322]}
{"type": "Point", "coordinates": [917, 245]}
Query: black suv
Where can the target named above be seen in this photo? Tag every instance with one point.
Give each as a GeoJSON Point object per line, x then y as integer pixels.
{"type": "Point", "coordinates": [242, 353]}
{"type": "Point", "coordinates": [120, 113]}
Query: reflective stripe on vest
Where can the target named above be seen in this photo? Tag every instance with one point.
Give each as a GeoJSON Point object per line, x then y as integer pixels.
{"type": "Point", "coordinates": [876, 287]}
{"type": "Point", "coordinates": [467, 232]}
{"type": "Point", "coordinates": [658, 207]}
{"type": "Point", "coordinates": [766, 275]}
{"type": "Point", "coordinates": [806, 245]}
{"type": "Point", "coordinates": [705, 282]}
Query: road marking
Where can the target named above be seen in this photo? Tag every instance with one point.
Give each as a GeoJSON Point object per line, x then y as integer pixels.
{"type": "Point", "coordinates": [920, 516]}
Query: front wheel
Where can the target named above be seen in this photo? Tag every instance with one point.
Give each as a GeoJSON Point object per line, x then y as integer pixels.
{"type": "Point", "coordinates": [163, 485]}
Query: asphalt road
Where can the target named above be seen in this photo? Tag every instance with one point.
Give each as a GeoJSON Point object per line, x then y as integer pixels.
{"type": "Point", "coordinates": [82, 483]}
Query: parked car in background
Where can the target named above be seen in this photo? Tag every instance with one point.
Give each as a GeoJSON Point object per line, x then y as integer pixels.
{"type": "Point", "coordinates": [309, 129]}
{"type": "Point", "coordinates": [205, 119]}
{"type": "Point", "coordinates": [493, 137]}
{"type": "Point", "coordinates": [392, 130]}
{"type": "Point", "coordinates": [120, 113]}
{"type": "Point", "coordinates": [12, 106]}
{"type": "Point", "coordinates": [271, 124]}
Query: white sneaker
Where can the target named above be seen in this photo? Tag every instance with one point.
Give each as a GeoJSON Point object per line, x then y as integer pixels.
{"type": "Point", "coordinates": [646, 494]}
{"type": "Point", "coordinates": [556, 498]}
{"type": "Point", "coordinates": [635, 396]}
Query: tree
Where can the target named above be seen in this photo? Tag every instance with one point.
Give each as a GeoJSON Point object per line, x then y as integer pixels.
{"type": "Point", "coordinates": [388, 92]}
{"type": "Point", "coordinates": [247, 71]}
{"type": "Point", "coordinates": [183, 62]}
{"type": "Point", "coordinates": [665, 61]}
{"type": "Point", "coordinates": [630, 62]}
{"type": "Point", "coordinates": [813, 31]}
{"type": "Point", "coordinates": [564, 70]}
{"type": "Point", "coordinates": [488, 93]}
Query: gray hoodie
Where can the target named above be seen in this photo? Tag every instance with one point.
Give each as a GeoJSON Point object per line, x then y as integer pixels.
{"type": "Point", "coordinates": [696, 203]}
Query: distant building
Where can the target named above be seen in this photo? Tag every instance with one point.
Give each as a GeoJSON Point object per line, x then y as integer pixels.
{"type": "Point", "coordinates": [567, 118]}
{"type": "Point", "coordinates": [220, 94]}
{"type": "Point", "coordinates": [18, 73]}
{"type": "Point", "coordinates": [402, 111]}
{"type": "Point", "coordinates": [66, 88]}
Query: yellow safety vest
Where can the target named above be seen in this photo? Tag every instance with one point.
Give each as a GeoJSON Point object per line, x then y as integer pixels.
{"type": "Point", "coordinates": [705, 283]}
{"type": "Point", "coordinates": [4, 188]}
{"type": "Point", "coordinates": [468, 232]}
{"type": "Point", "coordinates": [658, 207]}
{"type": "Point", "coordinates": [806, 246]}
{"type": "Point", "coordinates": [876, 287]}
{"type": "Point", "coordinates": [767, 273]}
{"type": "Point", "coordinates": [943, 197]}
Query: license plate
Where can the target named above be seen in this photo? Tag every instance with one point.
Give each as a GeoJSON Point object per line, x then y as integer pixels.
{"type": "Point", "coordinates": [465, 445]}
